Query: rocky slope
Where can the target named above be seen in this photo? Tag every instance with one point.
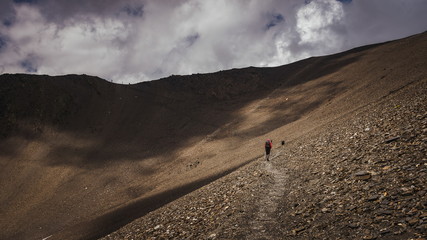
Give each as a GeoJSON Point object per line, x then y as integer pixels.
{"type": "Point", "coordinates": [361, 176]}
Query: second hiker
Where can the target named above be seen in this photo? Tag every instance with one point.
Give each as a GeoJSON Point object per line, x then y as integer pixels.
{"type": "Point", "coordinates": [268, 146]}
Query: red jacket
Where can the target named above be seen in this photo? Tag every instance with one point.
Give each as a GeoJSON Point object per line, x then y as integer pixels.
{"type": "Point", "coordinates": [268, 143]}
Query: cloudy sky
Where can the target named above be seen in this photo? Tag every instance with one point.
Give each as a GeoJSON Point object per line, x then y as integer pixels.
{"type": "Point", "coordinates": [138, 40]}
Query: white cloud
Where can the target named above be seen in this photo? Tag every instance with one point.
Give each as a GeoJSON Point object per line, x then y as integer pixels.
{"type": "Point", "coordinates": [132, 41]}
{"type": "Point", "coordinates": [316, 22]}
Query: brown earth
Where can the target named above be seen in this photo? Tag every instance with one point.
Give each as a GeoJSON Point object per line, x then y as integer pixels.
{"type": "Point", "coordinates": [81, 157]}
{"type": "Point", "coordinates": [361, 176]}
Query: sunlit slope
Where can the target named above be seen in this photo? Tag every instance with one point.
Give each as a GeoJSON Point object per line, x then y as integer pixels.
{"type": "Point", "coordinates": [78, 149]}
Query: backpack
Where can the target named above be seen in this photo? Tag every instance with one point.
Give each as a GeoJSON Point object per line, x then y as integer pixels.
{"type": "Point", "coordinates": [267, 144]}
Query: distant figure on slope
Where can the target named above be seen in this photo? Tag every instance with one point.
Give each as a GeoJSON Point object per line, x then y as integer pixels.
{"type": "Point", "coordinates": [268, 147]}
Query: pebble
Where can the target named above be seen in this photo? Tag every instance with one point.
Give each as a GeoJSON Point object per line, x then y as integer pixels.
{"type": "Point", "coordinates": [353, 225]}
{"type": "Point", "coordinates": [392, 139]}
{"type": "Point", "coordinates": [325, 210]}
{"type": "Point", "coordinates": [373, 197]}
{"type": "Point", "coordinates": [406, 191]}
{"type": "Point", "coordinates": [298, 230]}
{"type": "Point", "coordinates": [384, 231]}
{"type": "Point", "coordinates": [212, 236]}
{"type": "Point", "coordinates": [362, 175]}
{"type": "Point", "coordinates": [413, 221]}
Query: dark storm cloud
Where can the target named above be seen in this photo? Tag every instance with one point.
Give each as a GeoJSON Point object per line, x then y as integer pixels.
{"type": "Point", "coordinates": [25, 1]}
{"type": "Point", "coordinates": [59, 11]}
{"type": "Point", "coordinates": [383, 20]}
{"type": "Point", "coordinates": [136, 40]}
{"type": "Point", "coordinates": [6, 12]}
{"type": "Point", "coordinates": [2, 43]}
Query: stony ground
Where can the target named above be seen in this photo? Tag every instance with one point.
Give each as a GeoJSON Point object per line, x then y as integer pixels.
{"type": "Point", "coordinates": [363, 176]}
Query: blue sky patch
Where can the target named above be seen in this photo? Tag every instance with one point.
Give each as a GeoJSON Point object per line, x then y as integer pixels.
{"type": "Point", "coordinates": [191, 39]}
{"type": "Point", "coordinates": [276, 19]}
{"type": "Point", "coordinates": [134, 11]}
{"type": "Point", "coordinates": [28, 66]}
{"type": "Point", "coordinates": [344, 1]}
{"type": "Point", "coordinates": [7, 22]}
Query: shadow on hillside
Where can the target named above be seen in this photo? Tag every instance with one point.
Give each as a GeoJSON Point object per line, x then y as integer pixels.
{"type": "Point", "coordinates": [298, 104]}
{"type": "Point", "coordinates": [101, 226]}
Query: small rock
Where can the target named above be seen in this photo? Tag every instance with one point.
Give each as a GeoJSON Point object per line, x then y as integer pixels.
{"type": "Point", "coordinates": [412, 221]}
{"type": "Point", "coordinates": [384, 231]}
{"type": "Point", "coordinates": [298, 230]}
{"type": "Point", "coordinates": [362, 175]}
{"type": "Point", "coordinates": [212, 236]}
{"type": "Point", "coordinates": [369, 237]}
{"type": "Point", "coordinates": [385, 212]}
{"type": "Point", "coordinates": [392, 139]}
{"type": "Point", "coordinates": [422, 228]}
{"type": "Point", "coordinates": [324, 210]}
{"type": "Point", "coordinates": [373, 197]}
{"type": "Point", "coordinates": [406, 191]}
{"type": "Point", "coordinates": [351, 208]}
{"type": "Point", "coordinates": [386, 168]}
{"type": "Point", "coordinates": [353, 225]}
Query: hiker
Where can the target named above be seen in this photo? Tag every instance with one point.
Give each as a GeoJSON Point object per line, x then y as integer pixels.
{"type": "Point", "coordinates": [268, 146]}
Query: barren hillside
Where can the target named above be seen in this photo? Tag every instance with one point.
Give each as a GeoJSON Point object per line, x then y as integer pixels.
{"type": "Point", "coordinates": [361, 176]}
{"type": "Point", "coordinates": [81, 157]}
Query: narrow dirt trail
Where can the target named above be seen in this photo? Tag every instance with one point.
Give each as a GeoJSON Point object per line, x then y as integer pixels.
{"type": "Point", "coordinates": [264, 224]}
